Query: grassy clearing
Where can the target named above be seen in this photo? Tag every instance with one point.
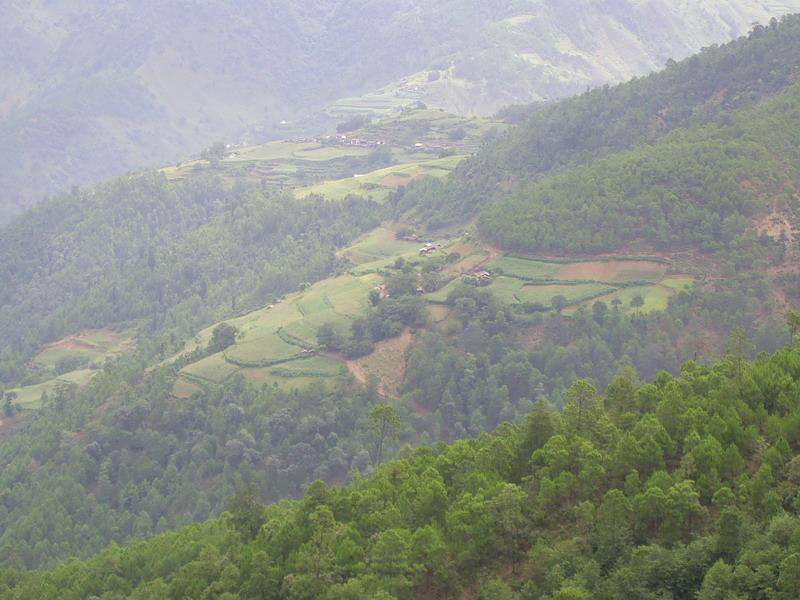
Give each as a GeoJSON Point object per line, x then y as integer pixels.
{"type": "Point", "coordinates": [29, 397]}
{"type": "Point", "coordinates": [378, 245]}
{"type": "Point", "coordinates": [93, 345]}
{"type": "Point", "coordinates": [573, 293]}
{"type": "Point", "coordinates": [525, 268]}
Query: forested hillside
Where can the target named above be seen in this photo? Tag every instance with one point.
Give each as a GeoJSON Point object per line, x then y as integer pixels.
{"type": "Point", "coordinates": [701, 188]}
{"type": "Point", "coordinates": [165, 257]}
{"type": "Point", "coordinates": [692, 93]}
{"type": "Point", "coordinates": [250, 320]}
{"type": "Point", "coordinates": [680, 487]}
{"type": "Point", "coordinates": [96, 89]}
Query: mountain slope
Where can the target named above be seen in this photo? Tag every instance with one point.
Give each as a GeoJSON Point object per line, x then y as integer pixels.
{"type": "Point", "coordinates": [98, 89]}
{"type": "Point", "coordinates": [577, 130]}
{"type": "Point", "coordinates": [682, 487]}
{"type": "Point", "coordinates": [139, 450]}
{"type": "Point", "coordinates": [702, 188]}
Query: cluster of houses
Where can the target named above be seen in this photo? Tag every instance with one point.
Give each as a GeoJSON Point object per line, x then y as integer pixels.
{"type": "Point", "coordinates": [481, 278]}
{"type": "Point", "coordinates": [431, 148]}
{"type": "Point", "coordinates": [429, 249]}
{"type": "Point", "coordinates": [343, 140]}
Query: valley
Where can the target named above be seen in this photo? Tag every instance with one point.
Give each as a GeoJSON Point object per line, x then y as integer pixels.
{"type": "Point", "coordinates": [546, 355]}
{"type": "Point", "coordinates": [95, 90]}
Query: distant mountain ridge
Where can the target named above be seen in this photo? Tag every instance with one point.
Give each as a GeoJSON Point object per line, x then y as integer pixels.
{"type": "Point", "coordinates": [95, 90]}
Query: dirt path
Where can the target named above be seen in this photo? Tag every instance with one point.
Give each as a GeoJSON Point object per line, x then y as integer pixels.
{"type": "Point", "coordinates": [357, 370]}
{"type": "Point", "coordinates": [361, 373]}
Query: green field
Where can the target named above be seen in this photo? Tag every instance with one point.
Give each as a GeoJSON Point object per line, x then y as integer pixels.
{"type": "Point", "coordinates": [655, 298]}
{"type": "Point", "coordinates": [613, 271]}
{"type": "Point", "coordinates": [379, 184]}
{"type": "Point", "coordinates": [379, 246]}
{"type": "Point", "coordinates": [525, 268]}
{"type": "Point", "coordinates": [606, 271]}
{"type": "Point", "coordinates": [522, 280]}
{"type": "Point", "coordinates": [30, 396]}
{"type": "Point", "coordinates": [573, 293]}
{"type": "Point", "coordinates": [274, 343]}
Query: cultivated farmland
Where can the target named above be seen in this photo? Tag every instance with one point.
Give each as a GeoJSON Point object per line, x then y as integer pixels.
{"type": "Point", "coordinates": [276, 344]}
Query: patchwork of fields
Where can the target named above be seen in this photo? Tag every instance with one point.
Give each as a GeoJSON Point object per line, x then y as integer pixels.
{"type": "Point", "coordinates": [371, 161]}
{"type": "Point", "coordinates": [276, 344]}
{"type": "Point", "coordinates": [73, 360]}
{"type": "Point", "coordinates": [634, 284]}
{"type": "Point", "coordinates": [379, 184]}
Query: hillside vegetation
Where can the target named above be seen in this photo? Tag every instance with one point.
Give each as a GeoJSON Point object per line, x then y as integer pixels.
{"type": "Point", "coordinates": [241, 335]}
{"type": "Point", "coordinates": [701, 188]}
{"type": "Point", "coordinates": [165, 254]}
{"type": "Point", "coordinates": [164, 257]}
{"type": "Point", "coordinates": [94, 90]}
{"type": "Point", "coordinates": [550, 138]}
{"type": "Point", "coordinates": [681, 487]}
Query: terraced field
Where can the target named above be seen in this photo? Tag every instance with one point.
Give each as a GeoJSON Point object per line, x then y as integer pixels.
{"type": "Point", "coordinates": [275, 344]}
{"type": "Point", "coordinates": [412, 141]}
{"type": "Point", "coordinates": [73, 360]}
{"type": "Point", "coordinates": [614, 271]}
{"type": "Point", "coordinates": [93, 345]}
{"type": "Point", "coordinates": [379, 184]}
{"type": "Point", "coordinates": [529, 280]}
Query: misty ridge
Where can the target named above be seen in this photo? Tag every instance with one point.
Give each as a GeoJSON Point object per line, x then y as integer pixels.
{"type": "Point", "coordinates": [96, 89]}
{"type": "Point", "coordinates": [400, 300]}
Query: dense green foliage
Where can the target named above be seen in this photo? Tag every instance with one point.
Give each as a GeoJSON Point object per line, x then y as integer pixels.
{"type": "Point", "coordinates": [483, 370]}
{"type": "Point", "coordinates": [700, 188]}
{"type": "Point", "coordinates": [679, 487]}
{"type": "Point", "coordinates": [572, 132]}
{"type": "Point", "coordinates": [123, 458]}
{"type": "Point", "coordinates": [168, 258]}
